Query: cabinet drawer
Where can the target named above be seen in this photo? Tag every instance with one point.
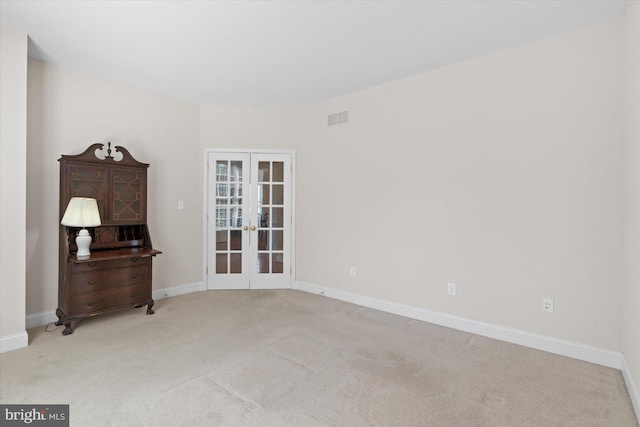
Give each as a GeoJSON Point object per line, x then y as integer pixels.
{"type": "Point", "coordinates": [104, 279]}
{"type": "Point", "coordinates": [112, 263]}
{"type": "Point", "coordinates": [108, 299]}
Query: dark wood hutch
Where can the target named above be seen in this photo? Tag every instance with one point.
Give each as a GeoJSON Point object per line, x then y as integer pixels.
{"type": "Point", "coordinates": [117, 274]}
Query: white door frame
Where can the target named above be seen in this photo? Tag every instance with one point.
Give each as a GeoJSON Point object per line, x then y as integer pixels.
{"type": "Point", "coordinates": [205, 203]}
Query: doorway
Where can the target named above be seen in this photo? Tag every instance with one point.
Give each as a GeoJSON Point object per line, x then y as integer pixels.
{"type": "Point", "coordinates": [249, 219]}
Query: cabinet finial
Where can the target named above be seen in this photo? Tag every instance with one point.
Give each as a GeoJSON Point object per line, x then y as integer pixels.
{"type": "Point", "coordinates": [109, 150]}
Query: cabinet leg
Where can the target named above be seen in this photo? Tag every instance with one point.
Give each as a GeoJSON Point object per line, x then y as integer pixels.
{"type": "Point", "coordinates": [60, 316]}
{"type": "Point", "coordinates": [149, 309]}
{"type": "Point", "coordinates": [67, 330]}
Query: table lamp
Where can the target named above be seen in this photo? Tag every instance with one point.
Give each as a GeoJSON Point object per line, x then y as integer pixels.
{"type": "Point", "coordinates": [82, 212]}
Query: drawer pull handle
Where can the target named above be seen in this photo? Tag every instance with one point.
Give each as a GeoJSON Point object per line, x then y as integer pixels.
{"type": "Point", "coordinates": [93, 264]}
{"type": "Point", "coordinates": [90, 283]}
{"type": "Point", "coordinates": [135, 259]}
{"type": "Point", "coordinates": [133, 276]}
{"type": "Point", "coordinates": [133, 295]}
{"type": "Point", "coordinates": [92, 303]}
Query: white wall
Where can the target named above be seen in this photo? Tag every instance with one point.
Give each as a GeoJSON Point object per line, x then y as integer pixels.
{"type": "Point", "coordinates": [13, 171]}
{"type": "Point", "coordinates": [631, 284]}
{"type": "Point", "coordinates": [248, 127]}
{"type": "Point", "coordinates": [68, 111]}
{"type": "Point", "coordinates": [501, 174]}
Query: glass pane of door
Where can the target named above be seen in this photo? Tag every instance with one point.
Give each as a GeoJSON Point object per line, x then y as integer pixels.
{"type": "Point", "coordinates": [270, 215]}
{"type": "Point", "coordinates": [271, 195]}
{"type": "Point", "coordinates": [228, 225]}
{"type": "Point", "coordinates": [229, 189]}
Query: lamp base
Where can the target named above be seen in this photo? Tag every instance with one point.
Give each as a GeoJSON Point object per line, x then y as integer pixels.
{"type": "Point", "coordinates": [83, 240]}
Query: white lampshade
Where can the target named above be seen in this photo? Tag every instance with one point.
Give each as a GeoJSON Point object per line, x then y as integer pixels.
{"type": "Point", "coordinates": [81, 212]}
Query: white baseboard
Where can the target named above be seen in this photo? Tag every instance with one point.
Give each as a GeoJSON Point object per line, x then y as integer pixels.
{"type": "Point", "coordinates": [631, 387]}
{"type": "Point", "coordinates": [14, 341]}
{"type": "Point", "coordinates": [46, 317]}
{"type": "Point", "coordinates": [40, 319]}
{"type": "Point", "coordinates": [575, 350]}
{"type": "Point", "coordinates": [178, 290]}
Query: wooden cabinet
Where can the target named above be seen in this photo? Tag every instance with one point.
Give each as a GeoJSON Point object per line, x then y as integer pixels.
{"type": "Point", "coordinates": [118, 274]}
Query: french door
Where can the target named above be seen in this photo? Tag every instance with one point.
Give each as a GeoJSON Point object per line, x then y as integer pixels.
{"type": "Point", "coordinates": [249, 226]}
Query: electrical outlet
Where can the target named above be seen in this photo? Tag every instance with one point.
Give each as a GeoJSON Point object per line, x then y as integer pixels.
{"type": "Point", "coordinates": [352, 272]}
{"type": "Point", "coordinates": [547, 305]}
{"type": "Point", "coordinates": [451, 289]}
{"type": "Point", "coordinates": [180, 204]}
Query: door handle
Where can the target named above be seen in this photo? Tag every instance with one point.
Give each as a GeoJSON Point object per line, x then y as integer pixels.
{"type": "Point", "coordinates": [245, 228]}
{"type": "Point", "coordinates": [253, 228]}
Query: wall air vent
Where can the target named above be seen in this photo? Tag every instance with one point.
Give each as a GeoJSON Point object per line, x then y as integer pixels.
{"type": "Point", "coordinates": [339, 118]}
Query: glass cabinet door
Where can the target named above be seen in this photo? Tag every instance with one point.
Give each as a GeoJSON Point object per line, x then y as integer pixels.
{"type": "Point", "coordinates": [89, 182]}
{"type": "Point", "coordinates": [128, 202]}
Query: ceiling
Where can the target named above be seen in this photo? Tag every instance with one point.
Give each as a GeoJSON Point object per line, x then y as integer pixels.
{"type": "Point", "coordinates": [281, 53]}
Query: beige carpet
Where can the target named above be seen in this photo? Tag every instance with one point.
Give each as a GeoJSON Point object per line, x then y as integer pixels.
{"type": "Point", "coordinates": [273, 358]}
